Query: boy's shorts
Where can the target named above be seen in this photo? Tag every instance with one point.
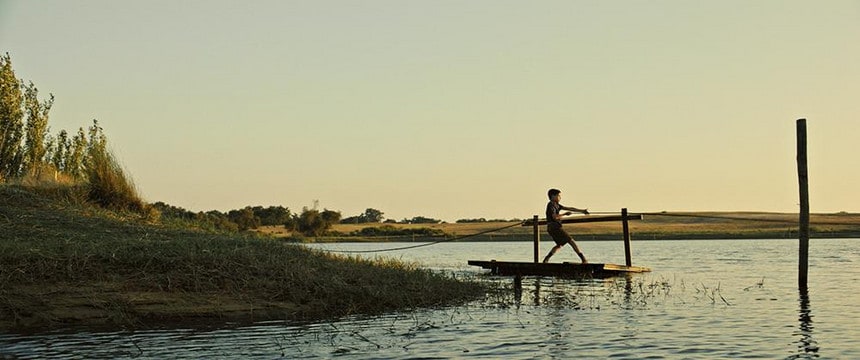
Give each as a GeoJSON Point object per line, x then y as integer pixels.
{"type": "Point", "coordinates": [560, 236]}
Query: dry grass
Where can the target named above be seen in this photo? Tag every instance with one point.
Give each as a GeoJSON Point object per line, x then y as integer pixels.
{"type": "Point", "coordinates": [109, 186]}
{"type": "Point", "coordinates": [106, 185]}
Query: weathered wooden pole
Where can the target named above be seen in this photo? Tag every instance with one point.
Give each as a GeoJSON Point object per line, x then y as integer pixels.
{"type": "Point", "coordinates": [803, 180]}
{"type": "Point", "coordinates": [536, 238]}
{"type": "Point", "coordinates": [627, 256]}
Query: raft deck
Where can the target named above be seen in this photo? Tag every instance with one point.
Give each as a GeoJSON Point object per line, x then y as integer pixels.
{"type": "Point", "coordinates": [578, 270]}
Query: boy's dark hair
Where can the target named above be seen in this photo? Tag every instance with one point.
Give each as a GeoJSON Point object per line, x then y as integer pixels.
{"type": "Point", "coordinates": [553, 192]}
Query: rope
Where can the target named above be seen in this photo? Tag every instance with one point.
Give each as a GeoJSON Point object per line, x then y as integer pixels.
{"type": "Point", "coordinates": [425, 244]}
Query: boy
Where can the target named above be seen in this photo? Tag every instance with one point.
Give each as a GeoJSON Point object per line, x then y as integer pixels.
{"type": "Point", "coordinates": [553, 225]}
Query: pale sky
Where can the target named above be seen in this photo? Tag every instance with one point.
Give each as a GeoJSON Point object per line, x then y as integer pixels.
{"type": "Point", "coordinates": [458, 109]}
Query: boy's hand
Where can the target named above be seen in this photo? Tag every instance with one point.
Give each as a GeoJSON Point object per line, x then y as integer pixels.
{"type": "Point", "coordinates": [585, 211]}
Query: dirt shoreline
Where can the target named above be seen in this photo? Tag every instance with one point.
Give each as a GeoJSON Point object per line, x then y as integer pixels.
{"type": "Point", "coordinates": [94, 308]}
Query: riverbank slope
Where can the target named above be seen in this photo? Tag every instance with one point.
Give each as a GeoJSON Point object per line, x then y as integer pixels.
{"type": "Point", "coordinates": [66, 264]}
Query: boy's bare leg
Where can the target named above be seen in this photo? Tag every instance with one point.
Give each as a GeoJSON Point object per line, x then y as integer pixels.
{"type": "Point", "coordinates": [576, 250]}
{"type": "Point", "coordinates": [551, 253]}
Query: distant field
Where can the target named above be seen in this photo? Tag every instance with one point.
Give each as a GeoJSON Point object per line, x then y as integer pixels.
{"type": "Point", "coordinates": [689, 225]}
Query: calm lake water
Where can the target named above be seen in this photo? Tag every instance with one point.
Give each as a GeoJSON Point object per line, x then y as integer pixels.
{"type": "Point", "coordinates": [704, 299]}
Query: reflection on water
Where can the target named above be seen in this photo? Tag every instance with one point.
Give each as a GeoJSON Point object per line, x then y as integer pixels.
{"type": "Point", "coordinates": [628, 289]}
{"type": "Point", "coordinates": [807, 347]}
{"type": "Point", "coordinates": [721, 299]}
{"type": "Point", "coordinates": [628, 292]}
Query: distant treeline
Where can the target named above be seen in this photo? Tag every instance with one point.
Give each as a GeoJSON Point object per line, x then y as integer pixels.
{"type": "Point", "coordinates": [389, 230]}
{"type": "Point", "coordinates": [309, 222]}
{"type": "Point", "coordinates": [482, 220]}
{"type": "Point", "coordinates": [374, 216]}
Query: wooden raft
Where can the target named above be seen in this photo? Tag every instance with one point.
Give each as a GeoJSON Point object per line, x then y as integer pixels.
{"type": "Point", "coordinates": [576, 270]}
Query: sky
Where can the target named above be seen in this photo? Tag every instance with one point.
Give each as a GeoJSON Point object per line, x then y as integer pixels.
{"type": "Point", "coordinates": [457, 109]}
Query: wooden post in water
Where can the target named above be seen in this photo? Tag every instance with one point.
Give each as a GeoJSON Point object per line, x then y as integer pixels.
{"type": "Point", "coordinates": [803, 181]}
{"type": "Point", "coordinates": [536, 238]}
{"type": "Point", "coordinates": [627, 256]}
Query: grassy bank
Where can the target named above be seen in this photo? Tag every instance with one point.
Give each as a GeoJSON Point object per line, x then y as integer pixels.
{"type": "Point", "coordinates": [69, 264]}
{"type": "Point", "coordinates": [672, 226]}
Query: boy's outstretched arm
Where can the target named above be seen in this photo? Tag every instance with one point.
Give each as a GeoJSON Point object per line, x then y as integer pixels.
{"type": "Point", "coordinates": [570, 208]}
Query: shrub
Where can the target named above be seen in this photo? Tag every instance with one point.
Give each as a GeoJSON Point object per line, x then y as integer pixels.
{"type": "Point", "coordinates": [244, 218]}
{"type": "Point", "coordinates": [424, 220]}
{"type": "Point", "coordinates": [272, 215]}
{"type": "Point", "coordinates": [108, 186]}
{"type": "Point", "coordinates": [312, 222]}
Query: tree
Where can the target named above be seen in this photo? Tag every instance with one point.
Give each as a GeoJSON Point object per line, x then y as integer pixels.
{"type": "Point", "coordinates": [170, 211]}
{"type": "Point", "coordinates": [217, 220]}
{"type": "Point", "coordinates": [85, 157]}
{"type": "Point", "coordinates": [95, 145]}
{"type": "Point", "coordinates": [312, 222]}
{"type": "Point", "coordinates": [369, 216]}
{"type": "Point", "coordinates": [272, 215]}
{"type": "Point", "coordinates": [50, 148]}
{"type": "Point", "coordinates": [75, 155]}
{"type": "Point", "coordinates": [330, 217]}
{"type": "Point", "coordinates": [97, 141]}
{"type": "Point", "coordinates": [424, 220]}
{"type": "Point", "coordinates": [478, 220]}
{"type": "Point", "coordinates": [244, 218]}
{"type": "Point", "coordinates": [372, 215]}
{"type": "Point", "coordinates": [11, 120]}
{"type": "Point", "coordinates": [351, 220]}
{"type": "Point", "coordinates": [61, 147]}
{"type": "Point", "coordinates": [36, 129]}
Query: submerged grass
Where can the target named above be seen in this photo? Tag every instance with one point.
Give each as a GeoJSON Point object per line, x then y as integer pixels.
{"type": "Point", "coordinates": [66, 265]}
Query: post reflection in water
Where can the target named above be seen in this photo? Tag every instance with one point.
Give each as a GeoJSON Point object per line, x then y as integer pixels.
{"type": "Point", "coordinates": [628, 289]}
{"type": "Point", "coordinates": [807, 347]}
{"type": "Point", "coordinates": [518, 290]}
{"type": "Point", "coordinates": [591, 293]}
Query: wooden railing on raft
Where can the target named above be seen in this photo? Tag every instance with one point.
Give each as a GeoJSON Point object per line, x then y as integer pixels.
{"type": "Point", "coordinates": [535, 222]}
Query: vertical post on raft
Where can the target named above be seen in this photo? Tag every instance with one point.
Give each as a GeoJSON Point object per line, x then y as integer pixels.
{"type": "Point", "coordinates": [803, 181]}
{"type": "Point", "coordinates": [536, 237]}
{"type": "Point", "coordinates": [627, 256]}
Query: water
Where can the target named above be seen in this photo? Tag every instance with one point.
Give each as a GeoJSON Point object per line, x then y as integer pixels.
{"type": "Point", "coordinates": [704, 299]}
